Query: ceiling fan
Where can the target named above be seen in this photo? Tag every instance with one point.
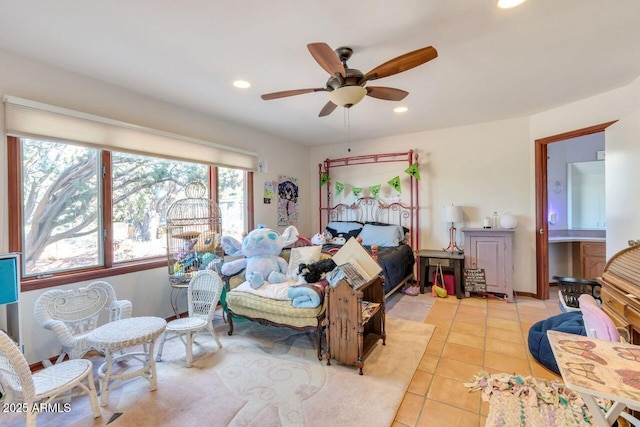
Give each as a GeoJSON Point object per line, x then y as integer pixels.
{"type": "Point", "coordinates": [346, 86]}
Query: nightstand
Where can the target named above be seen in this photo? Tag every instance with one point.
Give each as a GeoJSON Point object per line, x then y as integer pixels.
{"type": "Point", "coordinates": [429, 259]}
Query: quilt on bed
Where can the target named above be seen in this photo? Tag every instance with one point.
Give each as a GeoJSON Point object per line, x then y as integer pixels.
{"type": "Point", "coordinates": [397, 262]}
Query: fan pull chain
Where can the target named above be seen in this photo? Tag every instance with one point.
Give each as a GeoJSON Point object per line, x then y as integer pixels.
{"type": "Point", "coordinates": [347, 123]}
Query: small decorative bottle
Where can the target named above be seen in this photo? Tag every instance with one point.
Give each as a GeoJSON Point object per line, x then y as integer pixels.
{"type": "Point", "coordinates": [496, 220]}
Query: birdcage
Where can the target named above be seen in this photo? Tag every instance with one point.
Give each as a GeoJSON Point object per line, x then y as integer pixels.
{"type": "Point", "coordinates": [194, 227]}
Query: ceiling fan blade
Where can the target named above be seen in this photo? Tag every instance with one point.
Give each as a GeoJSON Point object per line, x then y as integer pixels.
{"type": "Point", "coordinates": [327, 109]}
{"type": "Point", "coordinates": [326, 58]}
{"type": "Point", "coordinates": [403, 63]}
{"type": "Point", "coordinates": [285, 93]}
{"type": "Point", "coordinates": [386, 93]}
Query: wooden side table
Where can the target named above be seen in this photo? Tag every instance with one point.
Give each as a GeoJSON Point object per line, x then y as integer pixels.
{"type": "Point", "coordinates": [429, 259]}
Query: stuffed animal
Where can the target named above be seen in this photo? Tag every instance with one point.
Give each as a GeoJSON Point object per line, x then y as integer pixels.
{"type": "Point", "coordinates": [261, 248]}
{"type": "Point", "coordinates": [319, 239]}
{"type": "Point", "coordinates": [314, 272]}
{"type": "Point", "coordinates": [206, 241]}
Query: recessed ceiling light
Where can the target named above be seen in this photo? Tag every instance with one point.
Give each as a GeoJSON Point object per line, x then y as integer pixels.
{"type": "Point", "coordinates": [507, 4]}
{"type": "Point", "coordinates": [242, 84]}
{"type": "Point", "coordinates": [401, 109]}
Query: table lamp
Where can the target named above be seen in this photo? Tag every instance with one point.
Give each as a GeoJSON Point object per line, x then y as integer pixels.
{"type": "Point", "coordinates": [452, 214]}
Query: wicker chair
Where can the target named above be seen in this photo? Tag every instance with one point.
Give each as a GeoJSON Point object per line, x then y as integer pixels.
{"type": "Point", "coordinates": [203, 293]}
{"type": "Point", "coordinates": [30, 391]}
{"type": "Point", "coordinates": [73, 314]}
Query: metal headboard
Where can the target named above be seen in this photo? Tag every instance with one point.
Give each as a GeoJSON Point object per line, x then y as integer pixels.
{"type": "Point", "coordinates": [369, 209]}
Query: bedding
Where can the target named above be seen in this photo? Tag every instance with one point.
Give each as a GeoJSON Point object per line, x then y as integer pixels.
{"type": "Point", "coordinates": [277, 291]}
{"type": "Point", "coordinates": [307, 295]}
{"type": "Point", "coordinates": [381, 235]}
{"type": "Point", "coordinates": [397, 263]}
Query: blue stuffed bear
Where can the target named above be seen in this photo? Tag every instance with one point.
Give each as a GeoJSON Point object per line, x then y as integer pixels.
{"type": "Point", "coordinates": [261, 249]}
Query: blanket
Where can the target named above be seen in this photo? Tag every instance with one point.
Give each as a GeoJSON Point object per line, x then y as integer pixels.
{"type": "Point", "coordinates": [307, 295]}
{"type": "Point", "coordinates": [277, 291]}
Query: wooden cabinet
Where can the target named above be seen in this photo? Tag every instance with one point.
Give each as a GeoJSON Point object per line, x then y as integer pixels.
{"type": "Point", "coordinates": [589, 259]}
{"type": "Point", "coordinates": [351, 332]}
{"type": "Point", "coordinates": [620, 282]}
{"type": "Point", "coordinates": [491, 249]}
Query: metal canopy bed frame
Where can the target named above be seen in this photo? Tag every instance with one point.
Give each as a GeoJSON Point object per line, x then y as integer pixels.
{"type": "Point", "coordinates": [369, 209]}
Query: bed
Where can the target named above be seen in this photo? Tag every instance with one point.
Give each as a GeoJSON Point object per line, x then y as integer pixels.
{"type": "Point", "coordinates": [392, 226]}
{"type": "Point", "coordinates": [371, 221]}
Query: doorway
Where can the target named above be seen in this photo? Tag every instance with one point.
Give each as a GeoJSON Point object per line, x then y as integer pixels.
{"type": "Point", "coordinates": [542, 197]}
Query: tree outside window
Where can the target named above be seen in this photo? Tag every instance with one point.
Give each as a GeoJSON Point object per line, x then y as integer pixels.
{"type": "Point", "coordinates": [62, 205]}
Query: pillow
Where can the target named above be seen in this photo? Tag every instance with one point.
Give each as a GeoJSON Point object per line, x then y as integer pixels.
{"type": "Point", "coordinates": [597, 323]}
{"type": "Point", "coordinates": [381, 235]}
{"type": "Point", "coordinates": [333, 233]}
{"type": "Point", "coordinates": [344, 226]}
{"type": "Point", "coordinates": [384, 224]}
{"type": "Point", "coordinates": [304, 254]}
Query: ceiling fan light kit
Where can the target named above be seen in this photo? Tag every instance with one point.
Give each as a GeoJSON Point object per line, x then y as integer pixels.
{"type": "Point", "coordinates": [347, 86]}
{"type": "Point", "coordinates": [347, 96]}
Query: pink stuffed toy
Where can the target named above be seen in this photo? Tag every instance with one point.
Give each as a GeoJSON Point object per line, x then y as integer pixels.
{"type": "Point", "coordinates": [261, 248]}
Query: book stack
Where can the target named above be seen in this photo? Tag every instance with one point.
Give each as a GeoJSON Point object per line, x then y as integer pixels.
{"type": "Point", "coordinates": [368, 309]}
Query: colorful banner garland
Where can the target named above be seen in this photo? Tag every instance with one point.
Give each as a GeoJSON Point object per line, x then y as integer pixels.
{"type": "Point", "coordinates": [375, 190]}
{"type": "Point", "coordinates": [324, 178]}
{"type": "Point", "coordinates": [413, 171]}
{"type": "Point", "coordinates": [395, 183]}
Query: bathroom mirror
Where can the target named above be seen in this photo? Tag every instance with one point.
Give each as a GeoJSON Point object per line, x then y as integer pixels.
{"type": "Point", "coordinates": [586, 196]}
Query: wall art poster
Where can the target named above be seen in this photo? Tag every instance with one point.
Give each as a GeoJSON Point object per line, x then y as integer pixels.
{"type": "Point", "coordinates": [269, 191]}
{"type": "Point", "coordinates": [287, 201]}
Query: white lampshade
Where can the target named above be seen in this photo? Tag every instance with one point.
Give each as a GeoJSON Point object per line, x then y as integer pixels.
{"type": "Point", "coordinates": [346, 96]}
{"type": "Point", "coordinates": [452, 214]}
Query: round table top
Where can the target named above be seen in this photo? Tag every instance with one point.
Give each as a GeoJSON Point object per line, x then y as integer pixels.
{"type": "Point", "coordinates": [127, 332]}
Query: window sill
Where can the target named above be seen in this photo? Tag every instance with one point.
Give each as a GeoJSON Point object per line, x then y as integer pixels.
{"type": "Point", "coordinates": [32, 284]}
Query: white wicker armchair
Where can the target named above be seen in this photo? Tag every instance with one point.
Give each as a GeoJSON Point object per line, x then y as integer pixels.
{"type": "Point", "coordinates": [73, 314]}
{"type": "Point", "coordinates": [26, 391]}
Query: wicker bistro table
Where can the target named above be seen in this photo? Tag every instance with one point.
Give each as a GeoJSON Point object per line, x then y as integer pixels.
{"type": "Point", "coordinates": [119, 335]}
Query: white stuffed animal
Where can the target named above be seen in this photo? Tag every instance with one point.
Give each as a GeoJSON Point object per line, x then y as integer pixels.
{"type": "Point", "coordinates": [319, 239]}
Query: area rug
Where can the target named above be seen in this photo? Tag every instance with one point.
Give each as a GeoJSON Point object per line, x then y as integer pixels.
{"type": "Point", "coordinates": [526, 401]}
{"type": "Point", "coordinates": [263, 376]}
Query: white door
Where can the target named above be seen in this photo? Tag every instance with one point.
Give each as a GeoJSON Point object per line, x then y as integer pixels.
{"type": "Point", "coordinates": [622, 146]}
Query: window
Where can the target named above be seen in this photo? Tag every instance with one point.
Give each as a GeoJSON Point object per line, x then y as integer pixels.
{"type": "Point", "coordinates": [60, 200]}
{"type": "Point", "coordinates": [231, 197]}
{"type": "Point", "coordinates": [88, 211]}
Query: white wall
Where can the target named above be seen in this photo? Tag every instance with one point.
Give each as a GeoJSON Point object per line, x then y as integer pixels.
{"type": "Point", "coordinates": [488, 167]}
{"type": "Point", "coordinates": [484, 168]}
{"type": "Point", "coordinates": [623, 201]}
{"type": "Point", "coordinates": [148, 290]}
{"type": "Point", "coordinates": [609, 106]}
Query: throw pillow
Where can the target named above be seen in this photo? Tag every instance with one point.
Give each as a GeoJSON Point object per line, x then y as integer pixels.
{"type": "Point", "coordinates": [304, 254]}
{"type": "Point", "coordinates": [383, 236]}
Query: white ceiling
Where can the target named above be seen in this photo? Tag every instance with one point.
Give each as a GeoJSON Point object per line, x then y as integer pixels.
{"type": "Point", "coordinates": [493, 64]}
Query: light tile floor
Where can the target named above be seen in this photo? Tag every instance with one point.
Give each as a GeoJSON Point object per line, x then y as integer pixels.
{"type": "Point", "coordinates": [472, 334]}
